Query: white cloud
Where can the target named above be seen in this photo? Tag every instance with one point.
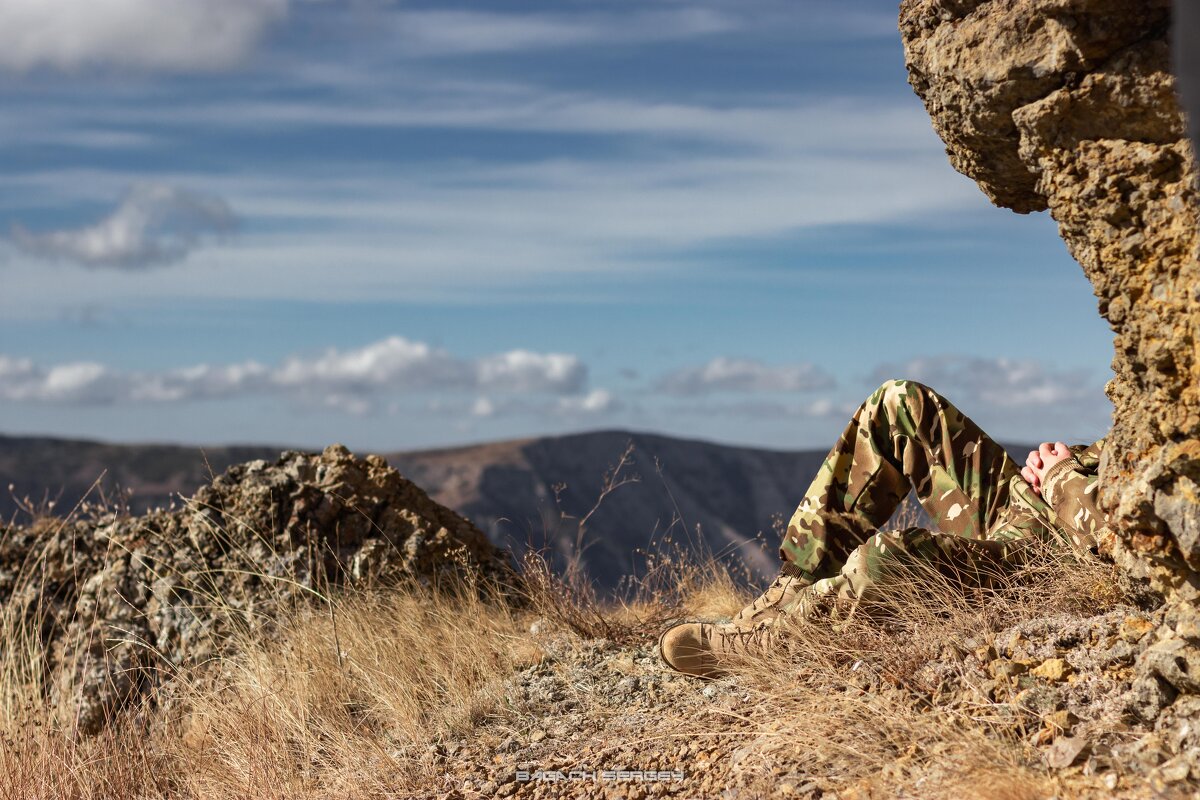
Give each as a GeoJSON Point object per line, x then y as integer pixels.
{"type": "Point", "coordinates": [596, 403]}
{"type": "Point", "coordinates": [483, 407]}
{"type": "Point", "coordinates": [177, 35]}
{"type": "Point", "coordinates": [461, 32]}
{"type": "Point", "coordinates": [152, 225]}
{"type": "Point", "coordinates": [200, 382]}
{"type": "Point", "coordinates": [349, 380]}
{"type": "Point", "coordinates": [525, 371]}
{"type": "Point", "coordinates": [998, 382]}
{"type": "Point", "coordinates": [785, 123]}
{"type": "Point", "coordinates": [394, 361]}
{"type": "Point", "coordinates": [724, 374]}
{"type": "Point", "coordinates": [24, 381]}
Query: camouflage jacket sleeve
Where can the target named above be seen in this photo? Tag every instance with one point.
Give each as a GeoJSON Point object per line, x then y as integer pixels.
{"type": "Point", "coordinates": [1070, 488]}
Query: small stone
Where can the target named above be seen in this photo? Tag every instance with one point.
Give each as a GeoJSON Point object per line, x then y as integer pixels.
{"type": "Point", "coordinates": [1003, 668]}
{"type": "Point", "coordinates": [537, 736]}
{"type": "Point", "coordinates": [1053, 669]}
{"type": "Point", "coordinates": [1066, 751]}
{"type": "Point", "coordinates": [1186, 621]}
{"type": "Point", "coordinates": [1177, 661]}
{"type": "Point", "coordinates": [1174, 771]}
{"type": "Point", "coordinates": [986, 654]}
{"type": "Point", "coordinates": [1134, 628]}
{"type": "Point", "coordinates": [1060, 721]}
{"type": "Point", "coordinates": [623, 663]}
{"type": "Point", "coordinates": [1039, 701]}
{"type": "Point", "coordinates": [1055, 725]}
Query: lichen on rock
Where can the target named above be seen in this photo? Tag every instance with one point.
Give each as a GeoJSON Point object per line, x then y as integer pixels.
{"type": "Point", "coordinates": [117, 602]}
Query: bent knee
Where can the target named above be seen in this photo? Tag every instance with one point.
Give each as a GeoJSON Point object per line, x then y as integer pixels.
{"type": "Point", "coordinates": [898, 389]}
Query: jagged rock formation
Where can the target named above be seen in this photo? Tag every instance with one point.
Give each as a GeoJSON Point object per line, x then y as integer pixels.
{"type": "Point", "coordinates": [115, 602]}
{"type": "Point", "coordinates": [1068, 105]}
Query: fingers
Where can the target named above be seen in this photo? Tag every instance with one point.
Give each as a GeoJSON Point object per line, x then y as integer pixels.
{"type": "Point", "coordinates": [1046, 450]}
{"type": "Point", "coordinates": [1032, 479]}
{"type": "Point", "coordinates": [1034, 461]}
{"type": "Point", "coordinates": [1062, 448]}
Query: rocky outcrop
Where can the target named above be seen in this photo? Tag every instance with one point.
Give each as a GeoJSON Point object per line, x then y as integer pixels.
{"type": "Point", "coordinates": [1105, 690]}
{"type": "Point", "coordinates": [113, 603]}
{"type": "Point", "coordinates": [1069, 105]}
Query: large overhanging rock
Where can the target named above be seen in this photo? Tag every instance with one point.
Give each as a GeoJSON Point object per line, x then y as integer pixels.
{"type": "Point", "coordinates": [115, 602]}
{"type": "Point", "coordinates": [1069, 105]}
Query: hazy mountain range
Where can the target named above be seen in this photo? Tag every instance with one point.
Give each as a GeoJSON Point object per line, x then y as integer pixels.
{"type": "Point", "coordinates": [523, 493]}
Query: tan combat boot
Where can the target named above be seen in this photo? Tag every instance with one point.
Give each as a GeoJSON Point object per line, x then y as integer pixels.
{"type": "Point", "coordinates": [704, 649]}
{"type": "Point", "coordinates": [700, 648]}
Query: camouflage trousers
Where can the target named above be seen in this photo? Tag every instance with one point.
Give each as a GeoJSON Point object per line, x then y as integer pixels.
{"type": "Point", "coordinates": [907, 437]}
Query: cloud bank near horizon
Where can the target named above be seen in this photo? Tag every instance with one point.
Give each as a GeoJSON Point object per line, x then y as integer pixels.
{"type": "Point", "coordinates": [363, 380]}
{"type": "Point", "coordinates": [354, 380]}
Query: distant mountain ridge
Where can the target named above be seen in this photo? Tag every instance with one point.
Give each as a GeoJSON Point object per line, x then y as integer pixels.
{"type": "Point", "coordinates": [534, 492]}
{"type": "Point", "coordinates": [522, 493]}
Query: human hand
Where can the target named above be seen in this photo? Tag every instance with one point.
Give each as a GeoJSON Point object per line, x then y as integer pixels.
{"type": "Point", "coordinates": [1041, 460]}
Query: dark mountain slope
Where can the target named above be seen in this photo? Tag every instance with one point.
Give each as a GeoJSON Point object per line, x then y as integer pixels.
{"type": "Point", "coordinates": [535, 492]}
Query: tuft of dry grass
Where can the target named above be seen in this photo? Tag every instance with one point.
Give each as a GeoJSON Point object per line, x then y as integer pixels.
{"type": "Point", "coordinates": [346, 709]}
{"type": "Point", "coordinates": [341, 700]}
{"type": "Point", "coordinates": [678, 575]}
{"type": "Point", "coordinates": [851, 699]}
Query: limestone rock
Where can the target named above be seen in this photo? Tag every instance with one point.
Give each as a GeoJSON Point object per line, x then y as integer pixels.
{"type": "Point", "coordinates": [119, 601]}
{"type": "Point", "coordinates": [1052, 669]}
{"type": "Point", "coordinates": [1069, 105]}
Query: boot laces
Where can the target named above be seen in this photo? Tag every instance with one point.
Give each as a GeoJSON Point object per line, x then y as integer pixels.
{"type": "Point", "coordinates": [743, 639]}
{"type": "Point", "coordinates": [771, 598]}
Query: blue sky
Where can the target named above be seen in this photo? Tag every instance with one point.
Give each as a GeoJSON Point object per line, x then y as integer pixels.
{"type": "Point", "coordinates": [401, 225]}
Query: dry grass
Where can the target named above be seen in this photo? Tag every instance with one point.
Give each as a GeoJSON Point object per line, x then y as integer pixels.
{"type": "Point", "coordinates": [339, 697]}
{"type": "Point", "coordinates": [678, 575]}
{"type": "Point", "coordinates": [342, 700]}
{"type": "Point", "coordinates": [296, 717]}
{"type": "Point", "coordinates": [344, 697]}
{"type": "Point", "coordinates": [852, 699]}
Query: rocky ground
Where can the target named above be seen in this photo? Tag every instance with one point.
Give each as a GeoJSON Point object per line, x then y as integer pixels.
{"type": "Point", "coordinates": [1079, 701]}
{"type": "Point", "coordinates": [592, 719]}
